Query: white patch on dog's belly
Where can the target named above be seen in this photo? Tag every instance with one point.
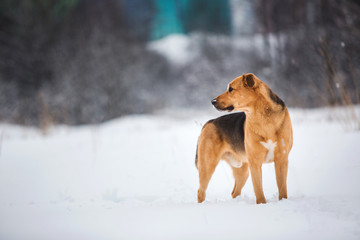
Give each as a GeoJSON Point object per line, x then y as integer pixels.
{"type": "Point", "coordinates": [234, 162]}
{"type": "Point", "coordinates": [269, 145]}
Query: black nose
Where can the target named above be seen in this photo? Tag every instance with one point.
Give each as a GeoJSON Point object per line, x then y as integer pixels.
{"type": "Point", "coordinates": [213, 101]}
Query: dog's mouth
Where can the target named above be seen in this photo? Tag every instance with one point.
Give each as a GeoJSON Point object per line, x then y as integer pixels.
{"type": "Point", "coordinates": [229, 108]}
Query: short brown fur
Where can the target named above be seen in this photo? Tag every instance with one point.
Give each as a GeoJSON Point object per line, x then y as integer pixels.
{"type": "Point", "coordinates": [267, 137]}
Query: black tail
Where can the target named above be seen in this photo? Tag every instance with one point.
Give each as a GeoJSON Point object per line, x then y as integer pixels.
{"type": "Point", "coordinates": [196, 156]}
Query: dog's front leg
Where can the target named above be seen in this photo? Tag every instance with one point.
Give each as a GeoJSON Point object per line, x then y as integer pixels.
{"type": "Point", "coordinates": [256, 176]}
{"type": "Point", "coordinates": [281, 169]}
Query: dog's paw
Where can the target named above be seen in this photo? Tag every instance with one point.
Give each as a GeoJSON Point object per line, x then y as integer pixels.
{"type": "Point", "coordinates": [260, 201]}
{"type": "Point", "coordinates": [235, 193]}
{"type": "Point", "coordinates": [201, 196]}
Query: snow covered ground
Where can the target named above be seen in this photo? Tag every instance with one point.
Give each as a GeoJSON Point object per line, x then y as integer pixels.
{"type": "Point", "coordinates": [135, 178]}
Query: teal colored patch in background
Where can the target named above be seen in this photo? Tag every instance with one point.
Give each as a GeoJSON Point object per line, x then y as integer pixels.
{"type": "Point", "coordinates": [168, 18]}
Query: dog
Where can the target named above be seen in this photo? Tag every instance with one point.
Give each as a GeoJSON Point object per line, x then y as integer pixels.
{"type": "Point", "coordinates": [261, 132]}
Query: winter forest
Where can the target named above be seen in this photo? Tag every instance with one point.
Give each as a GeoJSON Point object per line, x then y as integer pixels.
{"type": "Point", "coordinates": [87, 61]}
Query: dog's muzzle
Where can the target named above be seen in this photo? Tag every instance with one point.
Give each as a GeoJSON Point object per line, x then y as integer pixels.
{"type": "Point", "coordinates": [216, 105]}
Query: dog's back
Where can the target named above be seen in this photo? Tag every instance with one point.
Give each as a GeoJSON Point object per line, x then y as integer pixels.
{"type": "Point", "coordinates": [230, 128]}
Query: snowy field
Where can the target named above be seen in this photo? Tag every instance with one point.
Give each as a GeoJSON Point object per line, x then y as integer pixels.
{"type": "Point", "coordinates": [135, 178]}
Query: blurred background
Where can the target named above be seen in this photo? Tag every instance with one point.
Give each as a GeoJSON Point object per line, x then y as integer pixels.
{"type": "Point", "coordinates": [87, 61]}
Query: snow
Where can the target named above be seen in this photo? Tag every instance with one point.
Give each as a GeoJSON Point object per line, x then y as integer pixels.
{"type": "Point", "coordinates": [175, 47]}
{"type": "Point", "coordinates": [135, 178]}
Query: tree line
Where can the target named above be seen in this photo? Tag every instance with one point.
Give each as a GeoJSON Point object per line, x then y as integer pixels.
{"type": "Point", "coordinates": [88, 61]}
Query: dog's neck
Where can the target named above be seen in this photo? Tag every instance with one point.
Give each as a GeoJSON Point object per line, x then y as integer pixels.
{"type": "Point", "coordinates": [260, 119]}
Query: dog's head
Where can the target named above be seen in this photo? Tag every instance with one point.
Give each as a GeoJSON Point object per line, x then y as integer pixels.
{"type": "Point", "coordinates": [241, 93]}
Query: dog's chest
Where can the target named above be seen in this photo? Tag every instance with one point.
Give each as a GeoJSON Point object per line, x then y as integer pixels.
{"type": "Point", "coordinates": [270, 146]}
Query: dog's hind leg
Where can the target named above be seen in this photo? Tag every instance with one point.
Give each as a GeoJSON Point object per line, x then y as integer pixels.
{"type": "Point", "coordinates": [208, 156]}
{"type": "Point", "coordinates": [207, 163]}
{"type": "Point", "coordinates": [241, 175]}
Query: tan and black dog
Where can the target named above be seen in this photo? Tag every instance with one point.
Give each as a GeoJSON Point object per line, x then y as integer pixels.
{"type": "Point", "coordinates": [260, 133]}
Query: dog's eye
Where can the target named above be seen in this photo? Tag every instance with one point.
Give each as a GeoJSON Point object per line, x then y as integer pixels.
{"type": "Point", "coordinates": [230, 89]}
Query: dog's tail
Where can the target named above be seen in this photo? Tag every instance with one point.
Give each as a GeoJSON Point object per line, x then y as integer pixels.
{"type": "Point", "coordinates": [196, 156]}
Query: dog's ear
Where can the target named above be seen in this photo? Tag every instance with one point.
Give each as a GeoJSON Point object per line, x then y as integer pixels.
{"type": "Point", "coordinates": [249, 80]}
